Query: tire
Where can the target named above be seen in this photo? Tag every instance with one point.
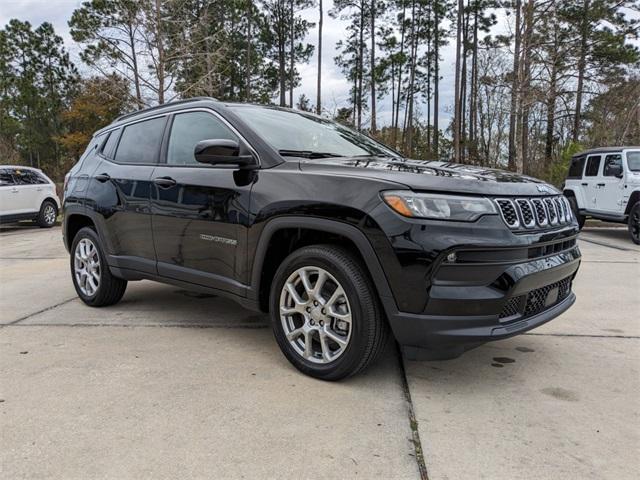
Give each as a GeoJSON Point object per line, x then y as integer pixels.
{"type": "Point", "coordinates": [47, 215]}
{"type": "Point", "coordinates": [86, 249]}
{"type": "Point", "coordinates": [576, 212]}
{"type": "Point", "coordinates": [634, 223]}
{"type": "Point", "coordinates": [363, 336]}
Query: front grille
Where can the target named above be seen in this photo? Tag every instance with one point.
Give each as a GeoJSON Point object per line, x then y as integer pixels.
{"type": "Point", "coordinates": [534, 213]}
{"type": "Point", "coordinates": [551, 210]}
{"type": "Point", "coordinates": [509, 213]}
{"type": "Point", "coordinates": [536, 301]}
{"type": "Point", "coordinates": [528, 220]}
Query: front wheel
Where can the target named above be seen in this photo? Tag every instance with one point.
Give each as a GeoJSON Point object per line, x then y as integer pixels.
{"type": "Point", "coordinates": [325, 313]}
{"type": "Point", "coordinates": [576, 212]}
{"type": "Point", "coordinates": [634, 223]}
{"type": "Point", "coordinates": [94, 283]}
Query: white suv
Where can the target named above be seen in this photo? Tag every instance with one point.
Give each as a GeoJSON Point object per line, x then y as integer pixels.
{"type": "Point", "coordinates": [604, 183]}
{"type": "Point", "coordinates": [27, 194]}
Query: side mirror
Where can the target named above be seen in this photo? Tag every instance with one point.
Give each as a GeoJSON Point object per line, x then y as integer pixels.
{"type": "Point", "coordinates": [220, 151]}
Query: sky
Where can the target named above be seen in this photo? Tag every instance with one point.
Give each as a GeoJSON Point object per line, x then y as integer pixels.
{"type": "Point", "coordinates": [335, 89]}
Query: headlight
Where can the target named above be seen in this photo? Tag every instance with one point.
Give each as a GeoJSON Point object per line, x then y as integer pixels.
{"type": "Point", "coordinates": [433, 205]}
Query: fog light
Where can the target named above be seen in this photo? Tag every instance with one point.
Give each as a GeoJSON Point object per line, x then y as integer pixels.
{"type": "Point", "coordinates": [452, 257]}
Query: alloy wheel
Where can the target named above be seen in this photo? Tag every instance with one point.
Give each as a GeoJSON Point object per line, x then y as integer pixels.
{"type": "Point", "coordinates": [49, 214]}
{"type": "Point", "coordinates": [315, 315]}
{"type": "Point", "coordinates": [87, 267]}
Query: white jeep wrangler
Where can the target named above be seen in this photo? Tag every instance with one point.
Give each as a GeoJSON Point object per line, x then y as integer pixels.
{"type": "Point", "coordinates": [604, 183]}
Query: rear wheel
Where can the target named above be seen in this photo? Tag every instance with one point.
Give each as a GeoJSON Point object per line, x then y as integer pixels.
{"type": "Point", "coordinates": [325, 313]}
{"type": "Point", "coordinates": [48, 214]}
{"type": "Point", "coordinates": [94, 283]}
{"type": "Point", "coordinates": [634, 223]}
{"type": "Point", "coordinates": [576, 212]}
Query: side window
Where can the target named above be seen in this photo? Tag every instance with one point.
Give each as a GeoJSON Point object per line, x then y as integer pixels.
{"type": "Point", "coordinates": [6, 178]}
{"type": "Point", "coordinates": [140, 142]}
{"type": "Point", "coordinates": [612, 165]}
{"type": "Point", "coordinates": [190, 128]}
{"type": "Point", "coordinates": [110, 144]}
{"type": "Point", "coordinates": [25, 177]}
{"type": "Point", "coordinates": [576, 168]}
{"type": "Point", "coordinates": [593, 165]}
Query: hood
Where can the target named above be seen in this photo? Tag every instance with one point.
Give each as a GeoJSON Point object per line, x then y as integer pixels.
{"type": "Point", "coordinates": [433, 176]}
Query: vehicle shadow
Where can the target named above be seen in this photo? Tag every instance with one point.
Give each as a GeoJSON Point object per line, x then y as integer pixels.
{"type": "Point", "coordinates": [614, 236]}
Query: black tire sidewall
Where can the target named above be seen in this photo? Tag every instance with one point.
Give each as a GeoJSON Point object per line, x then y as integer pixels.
{"type": "Point", "coordinates": [632, 212]}
{"type": "Point", "coordinates": [89, 233]}
{"type": "Point", "coordinates": [41, 218]}
{"type": "Point", "coordinates": [352, 356]}
{"type": "Point", "coordinates": [576, 213]}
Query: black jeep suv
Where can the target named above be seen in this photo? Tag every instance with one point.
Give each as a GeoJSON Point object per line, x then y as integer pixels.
{"type": "Point", "coordinates": [334, 234]}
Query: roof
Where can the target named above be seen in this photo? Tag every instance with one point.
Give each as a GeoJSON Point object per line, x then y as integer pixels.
{"type": "Point", "coordinates": [165, 107]}
{"type": "Point", "coordinates": [23, 167]}
{"type": "Point", "coordinates": [605, 150]}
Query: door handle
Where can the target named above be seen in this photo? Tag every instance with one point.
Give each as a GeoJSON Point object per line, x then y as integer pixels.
{"type": "Point", "coordinates": [584, 184]}
{"type": "Point", "coordinates": [602, 184]}
{"type": "Point", "coordinates": [164, 182]}
{"type": "Point", "coordinates": [103, 177]}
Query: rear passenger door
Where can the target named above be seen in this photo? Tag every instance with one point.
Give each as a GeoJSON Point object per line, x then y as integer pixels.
{"type": "Point", "coordinates": [121, 187]}
{"type": "Point", "coordinates": [590, 182]}
{"type": "Point", "coordinates": [9, 203]}
{"type": "Point", "coordinates": [199, 210]}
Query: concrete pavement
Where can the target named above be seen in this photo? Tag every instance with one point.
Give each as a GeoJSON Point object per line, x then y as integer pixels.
{"type": "Point", "coordinates": [175, 384]}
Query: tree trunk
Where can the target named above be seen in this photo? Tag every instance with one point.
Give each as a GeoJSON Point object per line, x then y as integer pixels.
{"type": "Point", "coordinates": [247, 88]}
{"type": "Point", "coordinates": [160, 46]}
{"type": "Point", "coordinates": [373, 67]}
{"type": "Point", "coordinates": [525, 99]}
{"type": "Point", "coordinates": [436, 78]}
{"type": "Point", "coordinates": [582, 63]}
{"type": "Point", "coordinates": [319, 87]}
{"type": "Point", "coordinates": [456, 116]}
{"type": "Point", "coordinates": [473, 106]}
{"type": "Point", "coordinates": [292, 60]}
{"type": "Point", "coordinates": [360, 68]}
{"type": "Point", "coordinates": [282, 45]}
{"type": "Point", "coordinates": [399, 89]}
{"type": "Point", "coordinates": [136, 73]}
{"type": "Point", "coordinates": [515, 85]}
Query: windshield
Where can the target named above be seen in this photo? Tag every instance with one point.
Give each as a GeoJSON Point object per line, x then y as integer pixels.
{"type": "Point", "coordinates": [633, 161]}
{"type": "Point", "coordinates": [307, 135]}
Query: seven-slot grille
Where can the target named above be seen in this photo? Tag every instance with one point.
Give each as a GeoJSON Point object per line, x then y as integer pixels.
{"type": "Point", "coordinates": [534, 213]}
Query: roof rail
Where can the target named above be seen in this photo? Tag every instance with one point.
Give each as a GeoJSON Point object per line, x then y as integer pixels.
{"type": "Point", "coordinates": [156, 107]}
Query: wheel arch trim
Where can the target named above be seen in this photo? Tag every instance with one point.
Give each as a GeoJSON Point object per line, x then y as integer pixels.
{"type": "Point", "coordinates": [350, 232]}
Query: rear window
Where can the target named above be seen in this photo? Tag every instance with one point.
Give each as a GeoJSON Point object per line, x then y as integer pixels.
{"type": "Point", "coordinates": [140, 142]}
{"type": "Point", "coordinates": [576, 168]}
{"type": "Point", "coordinates": [28, 177]}
{"type": "Point", "coordinates": [6, 178]}
{"type": "Point", "coordinates": [593, 165]}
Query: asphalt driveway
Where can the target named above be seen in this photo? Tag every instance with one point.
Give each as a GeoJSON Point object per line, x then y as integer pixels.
{"type": "Point", "coordinates": [172, 384]}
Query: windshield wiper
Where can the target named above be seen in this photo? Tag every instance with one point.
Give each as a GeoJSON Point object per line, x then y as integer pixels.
{"type": "Point", "coordinates": [307, 154]}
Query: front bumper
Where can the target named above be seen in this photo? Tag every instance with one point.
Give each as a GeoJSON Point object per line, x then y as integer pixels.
{"type": "Point", "coordinates": [488, 294]}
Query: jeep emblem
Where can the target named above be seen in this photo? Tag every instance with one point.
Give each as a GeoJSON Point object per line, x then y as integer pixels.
{"type": "Point", "coordinates": [544, 189]}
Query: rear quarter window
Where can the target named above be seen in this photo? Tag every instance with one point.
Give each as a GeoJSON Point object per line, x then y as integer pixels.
{"type": "Point", "coordinates": [576, 168]}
